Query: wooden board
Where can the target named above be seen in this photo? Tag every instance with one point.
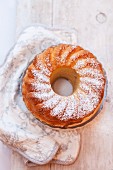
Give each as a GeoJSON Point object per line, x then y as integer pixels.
{"type": "Point", "coordinates": [93, 21]}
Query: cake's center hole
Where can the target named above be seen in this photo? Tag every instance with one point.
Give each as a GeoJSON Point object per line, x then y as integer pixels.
{"type": "Point", "coordinates": [64, 81]}
{"type": "Point", "coordinates": [62, 87]}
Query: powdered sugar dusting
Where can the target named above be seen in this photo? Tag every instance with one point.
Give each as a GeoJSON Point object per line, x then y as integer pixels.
{"type": "Point", "coordinates": [59, 109]}
{"type": "Point", "coordinates": [96, 82]}
{"type": "Point", "coordinates": [77, 54]}
{"type": "Point", "coordinates": [70, 111]}
{"type": "Point", "coordinates": [48, 62]}
{"type": "Point", "coordinates": [89, 88]}
{"type": "Point", "coordinates": [66, 53]}
{"type": "Point", "coordinates": [86, 88]}
{"type": "Point", "coordinates": [52, 102]}
{"type": "Point", "coordinates": [87, 103]}
{"type": "Point", "coordinates": [43, 68]}
{"type": "Point", "coordinates": [90, 72]}
{"type": "Point", "coordinates": [43, 96]}
{"type": "Point", "coordinates": [84, 61]}
{"type": "Point", "coordinates": [41, 77]}
{"type": "Point", "coordinates": [40, 86]}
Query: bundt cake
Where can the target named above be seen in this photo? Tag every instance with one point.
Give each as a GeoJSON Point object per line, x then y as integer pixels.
{"type": "Point", "coordinates": [77, 65]}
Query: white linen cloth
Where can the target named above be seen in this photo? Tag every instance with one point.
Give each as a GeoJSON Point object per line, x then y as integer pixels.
{"type": "Point", "coordinates": [19, 129]}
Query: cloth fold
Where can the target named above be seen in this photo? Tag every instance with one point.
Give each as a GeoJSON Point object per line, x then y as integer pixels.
{"type": "Point", "coordinates": [69, 146]}
{"type": "Point", "coordinates": [37, 148]}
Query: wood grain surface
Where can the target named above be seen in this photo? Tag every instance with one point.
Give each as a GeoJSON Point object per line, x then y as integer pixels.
{"type": "Point", "coordinates": [93, 21]}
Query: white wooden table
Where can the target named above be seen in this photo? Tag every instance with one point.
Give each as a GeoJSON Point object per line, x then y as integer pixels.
{"type": "Point", "coordinates": [7, 38]}
{"type": "Point", "coordinates": [93, 21]}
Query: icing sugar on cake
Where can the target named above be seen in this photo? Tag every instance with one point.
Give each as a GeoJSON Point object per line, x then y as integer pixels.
{"type": "Point", "coordinates": [85, 99]}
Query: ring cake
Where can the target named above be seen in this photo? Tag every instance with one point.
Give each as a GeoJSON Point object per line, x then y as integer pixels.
{"type": "Point", "coordinates": [77, 65]}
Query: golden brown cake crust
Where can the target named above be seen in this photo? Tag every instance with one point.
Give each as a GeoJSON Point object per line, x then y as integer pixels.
{"type": "Point", "coordinates": [86, 75]}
